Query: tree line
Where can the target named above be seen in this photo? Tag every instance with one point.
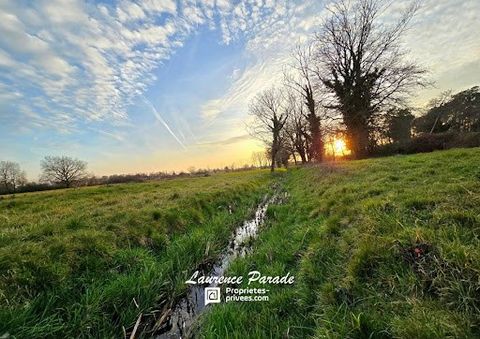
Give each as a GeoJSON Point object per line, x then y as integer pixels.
{"type": "Point", "coordinates": [353, 78]}
{"type": "Point", "coordinates": [60, 171]}
{"type": "Point", "coordinates": [64, 172]}
{"type": "Point", "coordinates": [450, 120]}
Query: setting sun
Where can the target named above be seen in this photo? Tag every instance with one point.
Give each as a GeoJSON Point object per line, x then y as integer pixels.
{"type": "Point", "coordinates": [337, 147]}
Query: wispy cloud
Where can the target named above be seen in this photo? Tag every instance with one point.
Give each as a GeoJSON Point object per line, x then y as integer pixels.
{"type": "Point", "coordinates": [444, 36]}
{"type": "Point", "coordinates": [227, 141]}
{"type": "Point", "coordinates": [270, 40]}
{"type": "Point", "coordinates": [83, 61]}
{"type": "Point", "coordinates": [64, 63]}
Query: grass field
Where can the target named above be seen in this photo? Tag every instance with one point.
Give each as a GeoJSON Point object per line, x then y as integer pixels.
{"type": "Point", "coordinates": [380, 248]}
{"type": "Point", "coordinates": [77, 262]}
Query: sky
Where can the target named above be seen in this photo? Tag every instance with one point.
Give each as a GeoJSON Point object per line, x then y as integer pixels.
{"type": "Point", "coordinates": [144, 86]}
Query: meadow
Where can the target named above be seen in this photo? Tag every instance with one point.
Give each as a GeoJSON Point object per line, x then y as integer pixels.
{"type": "Point", "coordinates": [86, 262]}
{"type": "Point", "coordinates": [380, 248]}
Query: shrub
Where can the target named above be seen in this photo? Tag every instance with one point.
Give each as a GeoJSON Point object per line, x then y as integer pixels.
{"type": "Point", "coordinates": [427, 142]}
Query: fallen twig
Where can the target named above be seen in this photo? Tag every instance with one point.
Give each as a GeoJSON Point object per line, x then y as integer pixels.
{"type": "Point", "coordinates": [135, 328]}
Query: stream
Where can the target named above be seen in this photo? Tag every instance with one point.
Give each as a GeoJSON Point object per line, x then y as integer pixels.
{"type": "Point", "coordinates": [178, 321]}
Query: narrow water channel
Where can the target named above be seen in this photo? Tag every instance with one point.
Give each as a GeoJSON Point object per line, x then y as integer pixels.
{"type": "Point", "coordinates": [183, 315]}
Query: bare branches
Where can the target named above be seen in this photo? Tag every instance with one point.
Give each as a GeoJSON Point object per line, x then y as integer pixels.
{"type": "Point", "coordinates": [360, 60]}
{"type": "Point", "coordinates": [351, 73]}
{"type": "Point", "coordinates": [64, 170]}
{"type": "Point", "coordinates": [270, 112]}
{"type": "Point", "coordinates": [260, 159]}
{"type": "Point", "coordinates": [300, 77]}
{"type": "Point", "coordinates": [11, 176]}
{"type": "Point", "coordinates": [296, 135]}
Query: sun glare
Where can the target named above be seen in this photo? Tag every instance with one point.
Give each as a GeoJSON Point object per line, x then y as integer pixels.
{"type": "Point", "coordinates": [337, 147]}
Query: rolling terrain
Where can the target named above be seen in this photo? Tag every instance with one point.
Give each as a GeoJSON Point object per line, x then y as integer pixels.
{"type": "Point", "coordinates": [380, 248]}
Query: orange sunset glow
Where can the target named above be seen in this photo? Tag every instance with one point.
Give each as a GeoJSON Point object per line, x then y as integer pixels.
{"type": "Point", "coordinates": [337, 147]}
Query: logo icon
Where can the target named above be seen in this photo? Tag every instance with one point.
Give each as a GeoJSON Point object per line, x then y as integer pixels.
{"type": "Point", "coordinates": [212, 295]}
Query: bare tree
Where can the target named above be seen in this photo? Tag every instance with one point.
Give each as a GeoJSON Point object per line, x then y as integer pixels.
{"type": "Point", "coordinates": [300, 77]}
{"type": "Point", "coordinates": [270, 113]}
{"type": "Point", "coordinates": [360, 61]}
{"type": "Point", "coordinates": [63, 170]}
{"type": "Point", "coordinates": [267, 153]}
{"type": "Point", "coordinates": [296, 129]}
{"type": "Point", "coordinates": [259, 159]}
{"type": "Point", "coordinates": [11, 176]}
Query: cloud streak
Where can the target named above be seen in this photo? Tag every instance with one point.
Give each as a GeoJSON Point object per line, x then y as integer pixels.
{"type": "Point", "coordinates": [162, 121]}
{"type": "Point", "coordinates": [227, 141]}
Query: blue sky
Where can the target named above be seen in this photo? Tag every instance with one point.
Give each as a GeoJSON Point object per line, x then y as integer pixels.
{"type": "Point", "coordinates": [133, 86]}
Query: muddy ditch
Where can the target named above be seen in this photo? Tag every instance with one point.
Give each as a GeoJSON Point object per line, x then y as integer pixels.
{"type": "Point", "coordinates": [178, 320]}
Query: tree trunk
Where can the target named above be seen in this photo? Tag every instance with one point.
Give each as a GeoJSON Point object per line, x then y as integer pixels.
{"type": "Point", "coordinates": [273, 153]}
{"type": "Point", "coordinates": [294, 158]}
{"type": "Point", "coordinates": [303, 157]}
{"type": "Point", "coordinates": [358, 139]}
{"type": "Point", "coordinates": [316, 145]}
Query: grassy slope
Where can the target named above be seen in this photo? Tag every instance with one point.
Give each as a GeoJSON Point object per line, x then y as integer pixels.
{"type": "Point", "coordinates": [73, 261]}
{"type": "Point", "coordinates": [380, 248]}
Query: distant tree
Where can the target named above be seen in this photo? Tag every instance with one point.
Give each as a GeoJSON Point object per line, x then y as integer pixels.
{"type": "Point", "coordinates": [270, 112]}
{"type": "Point", "coordinates": [430, 122]}
{"type": "Point", "coordinates": [398, 125]}
{"type": "Point", "coordinates": [259, 159]}
{"type": "Point", "coordinates": [452, 113]}
{"type": "Point", "coordinates": [11, 176]}
{"type": "Point", "coordinates": [360, 62]}
{"type": "Point", "coordinates": [63, 170]}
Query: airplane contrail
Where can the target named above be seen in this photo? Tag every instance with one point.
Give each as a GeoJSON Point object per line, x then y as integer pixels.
{"type": "Point", "coordinates": [164, 123]}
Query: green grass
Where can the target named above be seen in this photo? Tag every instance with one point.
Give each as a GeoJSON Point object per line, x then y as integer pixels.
{"type": "Point", "coordinates": [77, 262]}
{"type": "Point", "coordinates": [380, 248]}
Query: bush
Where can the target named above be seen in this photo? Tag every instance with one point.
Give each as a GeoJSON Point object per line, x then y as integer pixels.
{"type": "Point", "coordinates": [427, 142]}
{"type": "Point", "coordinates": [470, 139]}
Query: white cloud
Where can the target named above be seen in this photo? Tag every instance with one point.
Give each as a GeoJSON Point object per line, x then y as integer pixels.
{"type": "Point", "coordinates": [130, 12]}
{"type": "Point", "coordinates": [212, 108]}
{"type": "Point", "coordinates": [81, 61]}
{"type": "Point", "coordinates": [6, 60]}
{"type": "Point", "coordinates": [160, 6]}
{"type": "Point", "coordinates": [84, 61]}
{"type": "Point", "coordinates": [273, 29]}
{"type": "Point", "coordinates": [235, 74]}
{"type": "Point", "coordinates": [444, 36]}
{"type": "Point", "coordinates": [88, 62]}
